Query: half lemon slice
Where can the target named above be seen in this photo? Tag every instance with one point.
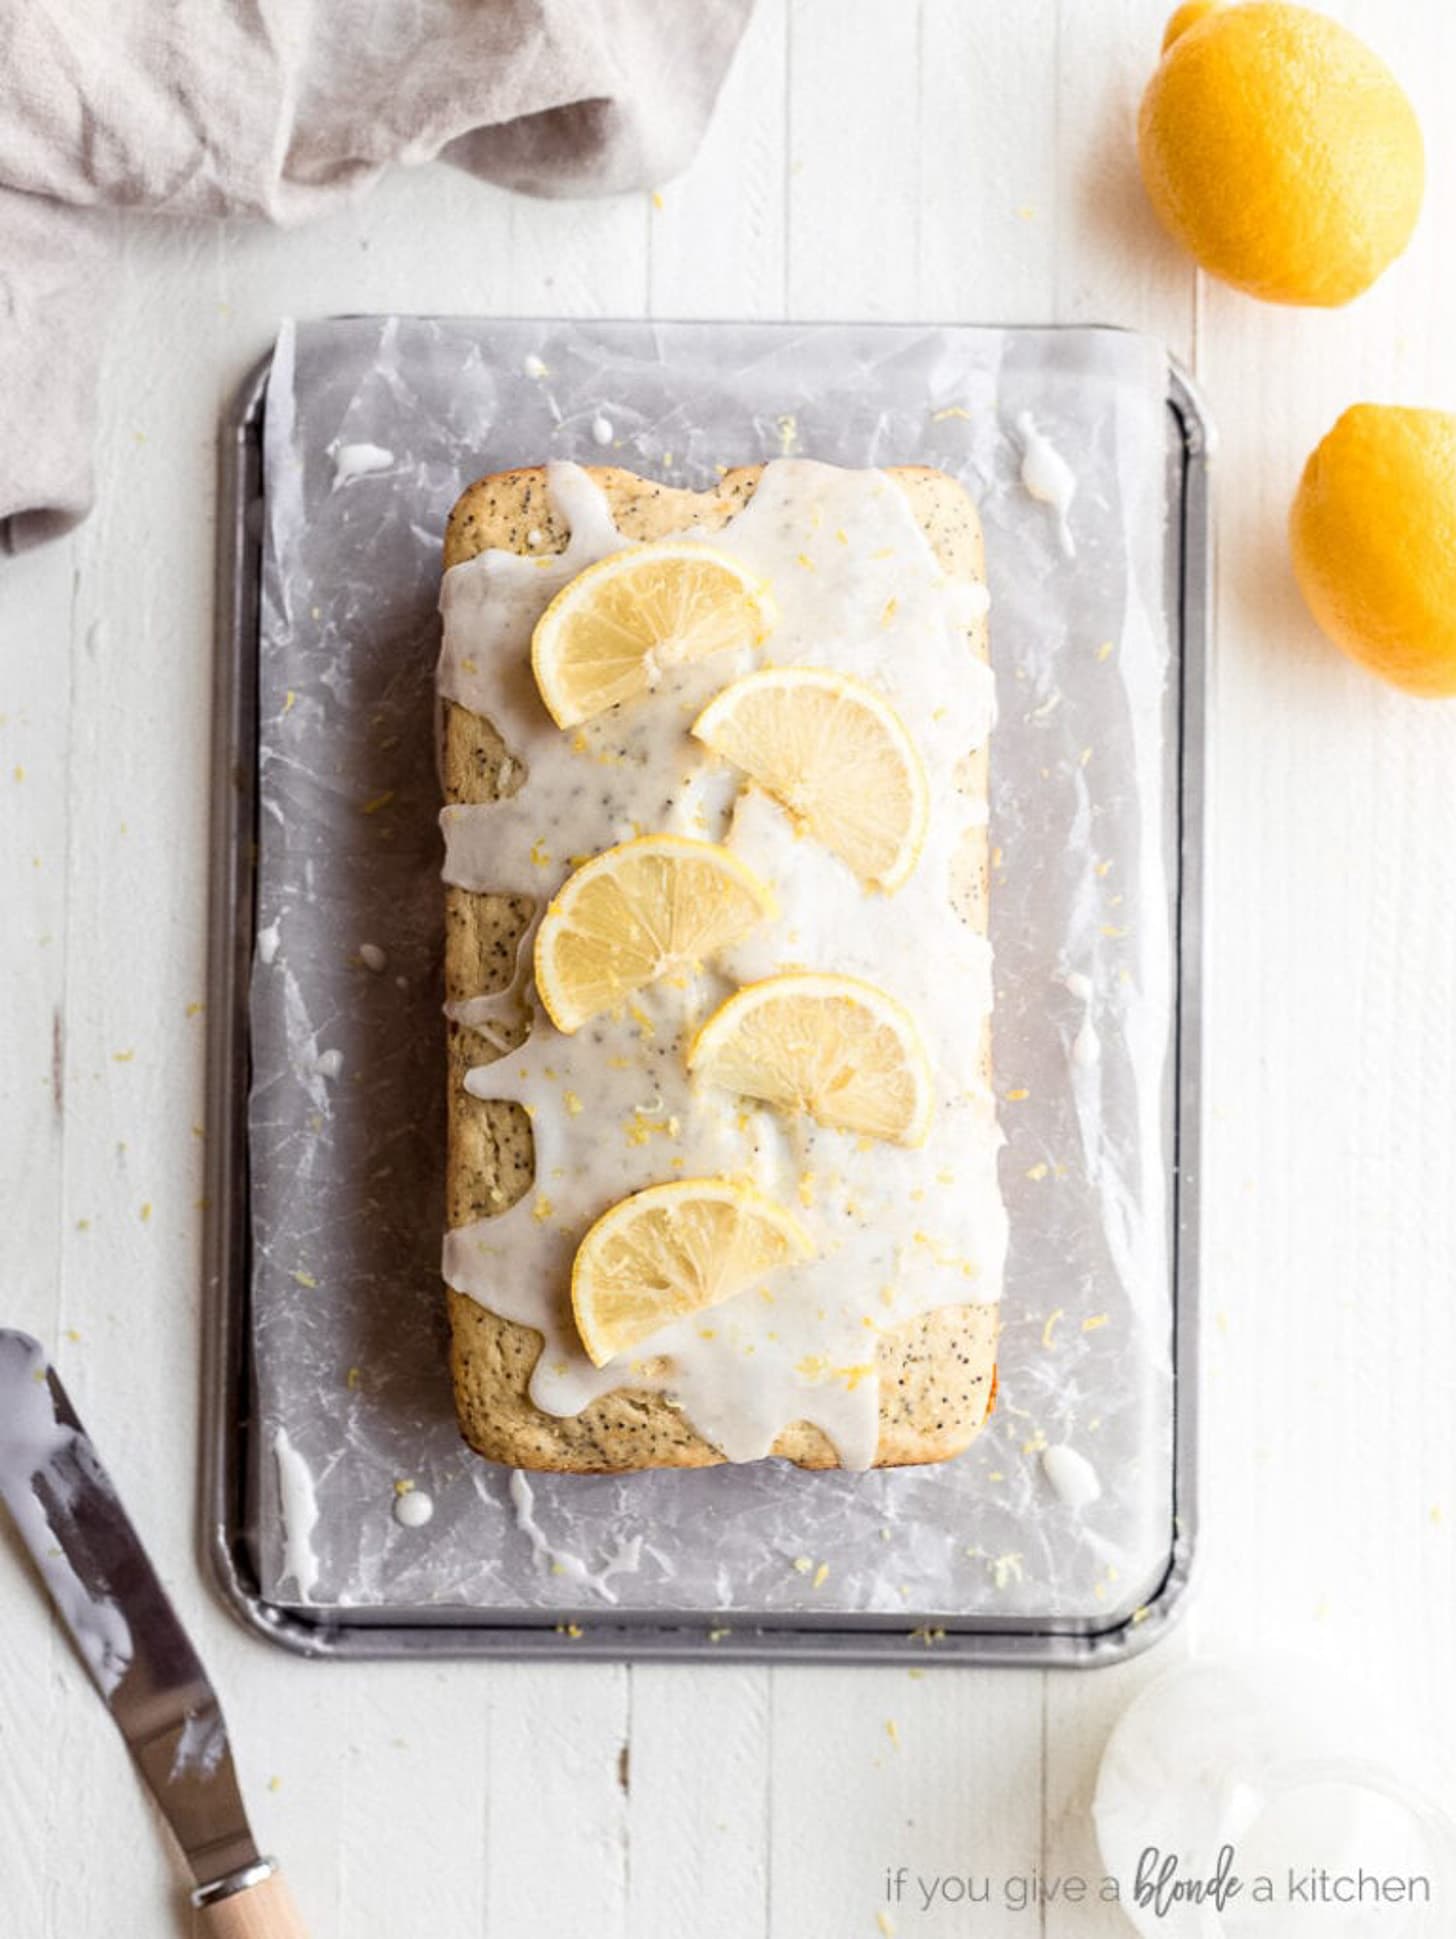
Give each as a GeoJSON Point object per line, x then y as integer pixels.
{"type": "Point", "coordinates": [832, 1046]}
{"type": "Point", "coordinates": [672, 1250]}
{"type": "Point", "coordinates": [612, 632]}
{"type": "Point", "coordinates": [836, 755]}
{"type": "Point", "coordinates": [639, 912]}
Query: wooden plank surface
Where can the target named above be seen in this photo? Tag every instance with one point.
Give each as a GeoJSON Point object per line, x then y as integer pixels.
{"type": "Point", "coordinates": [928, 159]}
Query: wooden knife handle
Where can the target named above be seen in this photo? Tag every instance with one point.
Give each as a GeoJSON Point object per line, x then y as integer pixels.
{"type": "Point", "coordinates": [264, 1911]}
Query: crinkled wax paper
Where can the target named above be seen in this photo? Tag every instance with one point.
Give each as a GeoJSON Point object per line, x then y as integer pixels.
{"type": "Point", "coordinates": [372, 428]}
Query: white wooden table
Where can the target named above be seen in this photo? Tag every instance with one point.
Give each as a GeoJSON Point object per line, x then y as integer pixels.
{"type": "Point", "coordinates": [906, 159]}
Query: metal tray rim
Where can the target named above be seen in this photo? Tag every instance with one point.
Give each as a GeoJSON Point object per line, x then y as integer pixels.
{"type": "Point", "coordinates": [225, 1366]}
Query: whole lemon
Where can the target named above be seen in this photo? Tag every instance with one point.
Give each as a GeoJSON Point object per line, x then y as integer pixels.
{"type": "Point", "coordinates": [1280, 151]}
{"type": "Point", "coordinates": [1373, 532]}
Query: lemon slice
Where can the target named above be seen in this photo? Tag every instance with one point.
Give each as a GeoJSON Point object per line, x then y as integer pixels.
{"type": "Point", "coordinates": [673, 1250]}
{"type": "Point", "coordinates": [613, 631]}
{"type": "Point", "coordinates": [836, 755]}
{"type": "Point", "coordinates": [639, 912]}
{"type": "Point", "coordinates": [833, 1046]}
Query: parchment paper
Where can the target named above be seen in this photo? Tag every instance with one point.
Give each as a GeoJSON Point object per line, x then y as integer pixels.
{"type": "Point", "coordinates": [347, 1164]}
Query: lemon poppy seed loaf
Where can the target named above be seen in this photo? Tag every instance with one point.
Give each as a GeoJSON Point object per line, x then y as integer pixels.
{"type": "Point", "coordinates": [933, 1369]}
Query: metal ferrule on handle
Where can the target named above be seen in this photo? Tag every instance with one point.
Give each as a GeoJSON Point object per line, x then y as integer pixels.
{"type": "Point", "coordinates": [250, 1903]}
{"type": "Point", "coordinates": [242, 1880]}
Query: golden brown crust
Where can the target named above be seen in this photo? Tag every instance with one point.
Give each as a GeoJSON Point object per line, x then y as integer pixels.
{"type": "Point", "coordinates": [937, 1371]}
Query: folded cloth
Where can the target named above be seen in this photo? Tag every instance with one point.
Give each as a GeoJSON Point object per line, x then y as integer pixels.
{"type": "Point", "coordinates": [274, 109]}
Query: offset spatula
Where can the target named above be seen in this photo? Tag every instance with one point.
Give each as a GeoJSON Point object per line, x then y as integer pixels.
{"type": "Point", "coordinates": [137, 1652]}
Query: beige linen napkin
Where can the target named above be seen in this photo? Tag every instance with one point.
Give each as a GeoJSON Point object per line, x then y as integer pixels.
{"type": "Point", "coordinates": [274, 109]}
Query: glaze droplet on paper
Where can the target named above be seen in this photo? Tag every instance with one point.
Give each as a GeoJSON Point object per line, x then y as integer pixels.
{"type": "Point", "coordinates": [353, 461]}
{"type": "Point", "coordinates": [1086, 1045]}
{"type": "Point", "coordinates": [413, 1507]}
{"type": "Point", "coordinates": [1071, 1475]}
{"type": "Point", "coordinates": [1047, 477]}
{"type": "Point", "coordinates": [298, 1502]}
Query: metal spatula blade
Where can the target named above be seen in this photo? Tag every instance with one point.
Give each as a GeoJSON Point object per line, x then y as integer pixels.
{"type": "Point", "coordinates": [126, 1631]}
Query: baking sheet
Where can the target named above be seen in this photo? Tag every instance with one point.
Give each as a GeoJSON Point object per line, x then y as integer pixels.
{"type": "Point", "coordinates": [345, 1124]}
